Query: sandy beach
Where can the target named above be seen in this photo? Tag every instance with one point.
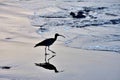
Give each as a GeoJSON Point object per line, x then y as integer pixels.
{"type": "Point", "coordinates": [17, 40]}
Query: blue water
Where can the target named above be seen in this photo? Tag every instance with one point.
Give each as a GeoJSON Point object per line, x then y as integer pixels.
{"type": "Point", "coordinates": [100, 32]}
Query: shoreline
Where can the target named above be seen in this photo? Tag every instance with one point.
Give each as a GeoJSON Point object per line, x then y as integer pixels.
{"type": "Point", "coordinates": [18, 38]}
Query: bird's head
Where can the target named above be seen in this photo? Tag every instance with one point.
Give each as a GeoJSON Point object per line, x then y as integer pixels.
{"type": "Point", "coordinates": [72, 13]}
{"type": "Point", "coordinates": [59, 35]}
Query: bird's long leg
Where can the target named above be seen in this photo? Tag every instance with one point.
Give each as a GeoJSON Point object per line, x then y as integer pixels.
{"type": "Point", "coordinates": [51, 50]}
{"type": "Point", "coordinates": [46, 50]}
{"type": "Point", "coordinates": [51, 57]}
{"type": "Point", "coordinates": [45, 58]}
{"type": "Point", "coordinates": [45, 55]}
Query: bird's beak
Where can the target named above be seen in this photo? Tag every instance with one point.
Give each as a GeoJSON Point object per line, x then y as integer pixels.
{"type": "Point", "coordinates": [62, 36]}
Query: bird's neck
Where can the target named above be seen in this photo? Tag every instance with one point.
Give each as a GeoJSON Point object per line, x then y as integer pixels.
{"type": "Point", "coordinates": [56, 37]}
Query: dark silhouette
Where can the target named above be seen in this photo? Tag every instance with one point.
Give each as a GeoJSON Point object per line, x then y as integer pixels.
{"type": "Point", "coordinates": [48, 65]}
{"type": "Point", "coordinates": [5, 67]}
{"type": "Point", "coordinates": [48, 42]}
{"type": "Point", "coordinates": [79, 14]}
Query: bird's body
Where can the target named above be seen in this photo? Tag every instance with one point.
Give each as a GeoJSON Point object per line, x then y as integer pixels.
{"type": "Point", "coordinates": [48, 42]}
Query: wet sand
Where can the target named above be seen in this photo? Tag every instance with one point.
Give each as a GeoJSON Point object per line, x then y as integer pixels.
{"type": "Point", "coordinates": [17, 38]}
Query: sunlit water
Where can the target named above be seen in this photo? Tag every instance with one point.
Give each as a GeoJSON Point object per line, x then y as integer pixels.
{"type": "Point", "coordinates": [100, 32]}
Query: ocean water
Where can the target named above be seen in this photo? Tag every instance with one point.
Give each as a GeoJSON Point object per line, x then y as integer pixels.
{"type": "Point", "coordinates": [100, 30]}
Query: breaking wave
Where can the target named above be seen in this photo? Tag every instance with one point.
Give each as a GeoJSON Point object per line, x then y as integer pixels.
{"type": "Point", "coordinates": [100, 30]}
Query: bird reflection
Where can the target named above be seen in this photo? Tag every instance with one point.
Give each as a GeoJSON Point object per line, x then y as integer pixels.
{"type": "Point", "coordinates": [48, 65]}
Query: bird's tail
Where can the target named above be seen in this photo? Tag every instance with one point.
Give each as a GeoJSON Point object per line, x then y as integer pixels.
{"type": "Point", "coordinates": [37, 64]}
{"type": "Point", "coordinates": [36, 45]}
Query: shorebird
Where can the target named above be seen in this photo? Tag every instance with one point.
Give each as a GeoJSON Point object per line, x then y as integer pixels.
{"type": "Point", "coordinates": [48, 42]}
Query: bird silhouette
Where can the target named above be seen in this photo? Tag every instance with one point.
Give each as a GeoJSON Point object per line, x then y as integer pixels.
{"type": "Point", "coordinates": [48, 42]}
